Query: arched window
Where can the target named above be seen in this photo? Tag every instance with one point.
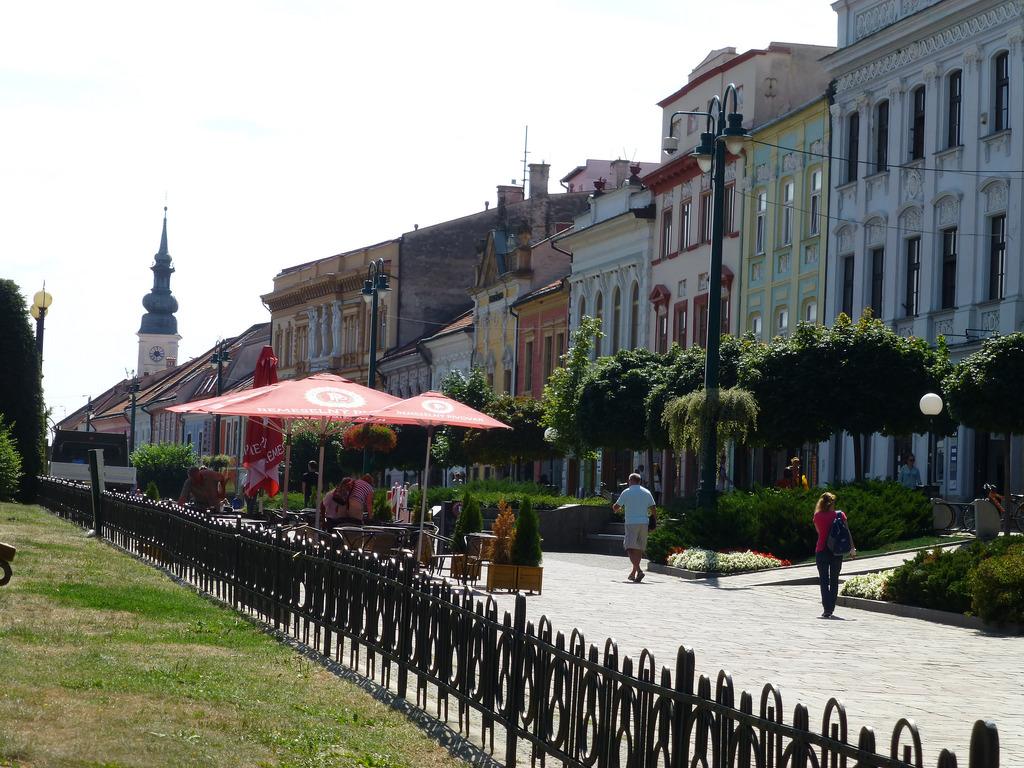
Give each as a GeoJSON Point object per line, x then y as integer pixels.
{"type": "Point", "coordinates": [917, 116]}
{"type": "Point", "coordinates": [599, 314]}
{"type": "Point", "coordinates": [582, 312]}
{"type": "Point", "coordinates": [634, 316]}
{"type": "Point", "coordinates": [616, 319]}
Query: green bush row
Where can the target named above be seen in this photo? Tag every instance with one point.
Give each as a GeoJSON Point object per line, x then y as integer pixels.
{"type": "Point", "coordinates": [490, 492]}
{"type": "Point", "coordinates": [982, 578]}
{"type": "Point", "coordinates": [779, 521]}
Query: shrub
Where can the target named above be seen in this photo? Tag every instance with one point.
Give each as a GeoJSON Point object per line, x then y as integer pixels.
{"type": "Point", "coordinates": [166, 464]}
{"type": "Point", "coordinates": [526, 545]}
{"type": "Point", "coordinates": [152, 492]}
{"type": "Point", "coordinates": [669, 535]}
{"type": "Point", "coordinates": [504, 530]}
{"type": "Point", "coordinates": [942, 580]}
{"type": "Point", "coordinates": [470, 521]}
{"type": "Point", "coordinates": [381, 507]}
{"type": "Point", "coordinates": [490, 492]}
{"type": "Point", "coordinates": [997, 587]}
{"type": "Point", "coordinates": [779, 520]}
{"type": "Point", "coordinates": [10, 464]}
{"type": "Point", "coordinates": [881, 512]}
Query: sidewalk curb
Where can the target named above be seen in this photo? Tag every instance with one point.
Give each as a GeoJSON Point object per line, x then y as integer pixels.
{"type": "Point", "coordinates": [927, 614]}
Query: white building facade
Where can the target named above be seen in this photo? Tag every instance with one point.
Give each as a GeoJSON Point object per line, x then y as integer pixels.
{"type": "Point", "coordinates": [928, 123]}
{"type": "Point", "coordinates": [612, 249]}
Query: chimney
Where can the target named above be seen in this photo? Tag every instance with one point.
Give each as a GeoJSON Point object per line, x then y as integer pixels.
{"type": "Point", "coordinates": [171, 362]}
{"type": "Point", "coordinates": [539, 179]}
{"type": "Point", "coordinates": [619, 172]}
{"type": "Point", "coordinates": [509, 194]}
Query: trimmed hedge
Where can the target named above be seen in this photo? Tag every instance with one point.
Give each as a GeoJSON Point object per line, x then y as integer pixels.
{"type": "Point", "coordinates": [490, 492]}
{"type": "Point", "coordinates": [779, 520]}
{"type": "Point", "coordinates": [165, 464]}
{"type": "Point", "coordinates": [986, 578]}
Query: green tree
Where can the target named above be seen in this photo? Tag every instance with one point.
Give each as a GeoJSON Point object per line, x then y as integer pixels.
{"type": "Point", "coordinates": [983, 391]}
{"type": "Point", "coordinates": [524, 442]}
{"type": "Point", "coordinates": [612, 411]}
{"type": "Point", "coordinates": [526, 548]}
{"type": "Point", "coordinates": [21, 391]}
{"type": "Point", "coordinates": [306, 438]}
{"type": "Point", "coordinates": [469, 389]}
{"type": "Point", "coordinates": [165, 464]}
{"type": "Point", "coordinates": [562, 392]}
{"type": "Point", "coordinates": [10, 464]}
{"type": "Point", "coordinates": [779, 375]}
{"type": "Point", "coordinates": [861, 355]}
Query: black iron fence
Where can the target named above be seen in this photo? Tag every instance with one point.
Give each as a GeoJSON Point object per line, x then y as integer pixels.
{"type": "Point", "coordinates": [521, 691]}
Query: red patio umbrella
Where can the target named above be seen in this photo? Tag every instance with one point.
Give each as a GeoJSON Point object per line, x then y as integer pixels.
{"type": "Point", "coordinates": [263, 443]}
{"type": "Point", "coordinates": [430, 410]}
{"type": "Point", "coordinates": [323, 397]}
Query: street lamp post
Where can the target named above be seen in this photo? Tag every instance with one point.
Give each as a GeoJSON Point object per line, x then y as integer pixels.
{"type": "Point", "coordinates": [723, 132]}
{"type": "Point", "coordinates": [375, 284]}
{"type": "Point", "coordinates": [931, 406]}
{"type": "Point", "coordinates": [133, 388]}
{"type": "Point", "coordinates": [88, 415]}
{"type": "Point", "coordinates": [40, 304]}
{"type": "Point", "coordinates": [219, 357]}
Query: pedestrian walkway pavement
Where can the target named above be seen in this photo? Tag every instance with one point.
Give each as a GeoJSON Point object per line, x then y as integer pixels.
{"type": "Point", "coordinates": [881, 667]}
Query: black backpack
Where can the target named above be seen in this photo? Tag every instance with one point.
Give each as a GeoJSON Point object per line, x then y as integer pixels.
{"type": "Point", "coordinates": [839, 542]}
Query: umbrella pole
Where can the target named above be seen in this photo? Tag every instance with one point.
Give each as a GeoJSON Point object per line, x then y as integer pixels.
{"type": "Point", "coordinates": [320, 473]}
{"type": "Point", "coordinates": [287, 464]}
{"type": "Point", "coordinates": [423, 497]}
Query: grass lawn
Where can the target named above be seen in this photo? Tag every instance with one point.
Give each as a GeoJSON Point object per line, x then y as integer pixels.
{"type": "Point", "coordinates": [896, 546]}
{"type": "Point", "coordinates": [106, 662]}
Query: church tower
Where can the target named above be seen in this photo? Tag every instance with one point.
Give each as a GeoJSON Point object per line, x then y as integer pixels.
{"type": "Point", "coordinates": [158, 334]}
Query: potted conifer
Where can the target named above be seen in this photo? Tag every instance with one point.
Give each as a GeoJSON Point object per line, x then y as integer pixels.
{"type": "Point", "coordinates": [470, 521]}
{"type": "Point", "coordinates": [524, 571]}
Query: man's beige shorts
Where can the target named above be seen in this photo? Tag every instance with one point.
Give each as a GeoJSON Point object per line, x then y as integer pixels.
{"type": "Point", "coordinates": [636, 537]}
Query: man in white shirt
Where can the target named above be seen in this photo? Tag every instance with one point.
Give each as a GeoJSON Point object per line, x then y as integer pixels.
{"type": "Point", "coordinates": [638, 504]}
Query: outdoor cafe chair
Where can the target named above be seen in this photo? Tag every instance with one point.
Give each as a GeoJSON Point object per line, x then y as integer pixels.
{"type": "Point", "coordinates": [353, 537]}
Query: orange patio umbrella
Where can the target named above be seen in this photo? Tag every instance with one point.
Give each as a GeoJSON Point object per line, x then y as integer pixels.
{"type": "Point", "coordinates": [431, 410]}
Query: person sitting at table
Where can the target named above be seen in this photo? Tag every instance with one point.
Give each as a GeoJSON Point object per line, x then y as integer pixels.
{"type": "Point", "coordinates": [335, 506]}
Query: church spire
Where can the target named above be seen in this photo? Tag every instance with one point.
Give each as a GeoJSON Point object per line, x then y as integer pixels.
{"type": "Point", "coordinates": [159, 303]}
{"type": "Point", "coordinates": [163, 255]}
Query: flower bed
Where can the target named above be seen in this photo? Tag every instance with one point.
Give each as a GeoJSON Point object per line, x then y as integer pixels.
{"type": "Point", "coordinates": [871, 586]}
{"type": "Point", "coordinates": [709, 561]}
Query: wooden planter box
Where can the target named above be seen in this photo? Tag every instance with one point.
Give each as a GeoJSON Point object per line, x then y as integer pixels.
{"type": "Point", "coordinates": [462, 568]}
{"type": "Point", "coordinates": [515, 578]}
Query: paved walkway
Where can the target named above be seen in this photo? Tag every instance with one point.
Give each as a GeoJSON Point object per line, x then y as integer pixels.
{"type": "Point", "coordinates": [881, 667]}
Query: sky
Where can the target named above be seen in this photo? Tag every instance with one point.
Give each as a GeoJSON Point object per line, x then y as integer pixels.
{"type": "Point", "coordinates": [282, 132]}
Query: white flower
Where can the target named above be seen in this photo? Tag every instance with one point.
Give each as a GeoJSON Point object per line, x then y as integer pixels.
{"type": "Point", "coordinates": [867, 585]}
{"type": "Point", "coordinates": [697, 559]}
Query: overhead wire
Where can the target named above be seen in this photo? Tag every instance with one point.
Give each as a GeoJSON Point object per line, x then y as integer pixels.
{"type": "Point", "coordinates": [904, 166]}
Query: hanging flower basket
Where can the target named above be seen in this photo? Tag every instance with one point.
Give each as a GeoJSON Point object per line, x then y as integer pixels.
{"type": "Point", "coordinates": [378, 438]}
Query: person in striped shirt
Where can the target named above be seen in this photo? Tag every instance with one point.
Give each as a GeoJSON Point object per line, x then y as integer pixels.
{"type": "Point", "coordinates": [360, 500]}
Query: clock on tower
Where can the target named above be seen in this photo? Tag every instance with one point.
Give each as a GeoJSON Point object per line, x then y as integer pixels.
{"type": "Point", "coordinates": [156, 353]}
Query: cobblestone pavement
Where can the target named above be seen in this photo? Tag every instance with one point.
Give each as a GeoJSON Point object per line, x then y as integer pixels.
{"type": "Point", "coordinates": [881, 667]}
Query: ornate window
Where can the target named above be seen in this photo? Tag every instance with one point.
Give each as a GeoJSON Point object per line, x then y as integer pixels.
{"type": "Point", "coordinates": [634, 316]}
{"type": "Point", "coordinates": [684, 225]}
{"type": "Point", "coordinates": [913, 277]}
{"type": "Point", "coordinates": [616, 320]}
{"type": "Point", "coordinates": [852, 146]}
{"type": "Point", "coordinates": [788, 189]}
{"type": "Point", "coordinates": [813, 224]}
{"type": "Point", "coordinates": [1001, 100]}
{"type": "Point", "coordinates": [877, 280]}
{"type": "Point", "coordinates": [917, 107]}
{"type": "Point", "coordinates": [997, 257]}
{"type": "Point", "coordinates": [954, 107]}
{"type": "Point", "coordinates": [762, 211]}
{"type": "Point", "coordinates": [949, 268]}
{"type": "Point", "coordinates": [882, 136]}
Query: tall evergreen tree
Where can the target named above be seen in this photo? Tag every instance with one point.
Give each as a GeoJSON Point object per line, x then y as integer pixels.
{"type": "Point", "coordinates": [21, 388]}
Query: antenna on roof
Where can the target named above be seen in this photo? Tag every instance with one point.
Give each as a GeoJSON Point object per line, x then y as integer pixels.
{"type": "Point", "coordinates": [526, 143]}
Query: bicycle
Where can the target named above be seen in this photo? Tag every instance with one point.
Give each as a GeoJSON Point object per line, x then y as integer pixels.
{"type": "Point", "coordinates": [957, 516]}
{"type": "Point", "coordinates": [1015, 511]}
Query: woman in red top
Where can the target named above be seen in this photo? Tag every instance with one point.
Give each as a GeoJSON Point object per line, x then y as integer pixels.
{"type": "Point", "coordinates": [828, 564]}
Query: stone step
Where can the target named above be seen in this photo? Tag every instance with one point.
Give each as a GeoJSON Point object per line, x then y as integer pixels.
{"type": "Point", "coordinates": [605, 543]}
